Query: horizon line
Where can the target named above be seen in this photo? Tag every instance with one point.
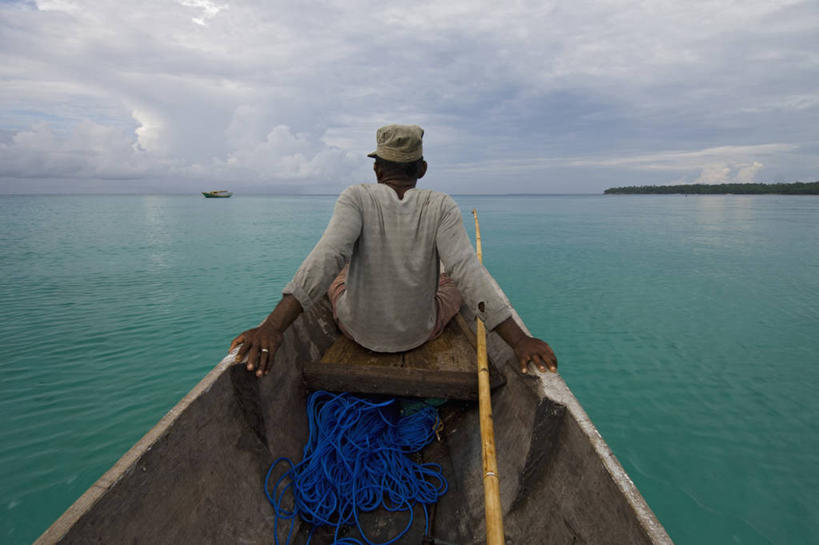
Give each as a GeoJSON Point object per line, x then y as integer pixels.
{"type": "Point", "coordinates": [186, 194]}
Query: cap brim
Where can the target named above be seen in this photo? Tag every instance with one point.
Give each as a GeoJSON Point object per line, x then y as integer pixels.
{"type": "Point", "coordinates": [373, 155]}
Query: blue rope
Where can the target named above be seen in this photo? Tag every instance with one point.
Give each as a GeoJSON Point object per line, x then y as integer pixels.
{"type": "Point", "coordinates": [356, 461]}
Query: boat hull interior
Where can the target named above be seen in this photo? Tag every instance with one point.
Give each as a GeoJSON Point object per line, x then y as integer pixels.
{"type": "Point", "coordinates": [197, 476]}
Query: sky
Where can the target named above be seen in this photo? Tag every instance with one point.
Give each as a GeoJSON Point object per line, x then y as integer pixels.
{"type": "Point", "coordinates": [178, 96]}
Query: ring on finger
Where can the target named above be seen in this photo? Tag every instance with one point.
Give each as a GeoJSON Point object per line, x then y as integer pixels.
{"type": "Point", "coordinates": [265, 350]}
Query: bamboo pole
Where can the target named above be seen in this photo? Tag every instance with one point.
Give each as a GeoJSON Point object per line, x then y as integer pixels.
{"type": "Point", "coordinates": [491, 484]}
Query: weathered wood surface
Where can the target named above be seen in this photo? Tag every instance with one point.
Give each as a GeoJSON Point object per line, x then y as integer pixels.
{"type": "Point", "coordinates": [443, 367]}
{"type": "Point", "coordinates": [197, 476]}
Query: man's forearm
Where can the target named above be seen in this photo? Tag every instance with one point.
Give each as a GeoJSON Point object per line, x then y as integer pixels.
{"type": "Point", "coordinates": [527, 349]}
{"type": "Point", "coordinates": [284, 314]}
{"type": "Point", "coordinates": [510, 331]}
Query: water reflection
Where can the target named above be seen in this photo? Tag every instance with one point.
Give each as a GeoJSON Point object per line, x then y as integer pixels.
{"type": "Point", "coordinates": [723, 221]}
{"type": "Point", "coordinates": [157, 233]}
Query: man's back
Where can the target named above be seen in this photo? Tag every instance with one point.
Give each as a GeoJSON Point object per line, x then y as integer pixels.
{"type": "Point", "coordinates": [389, 304]}
{"type": "Point", "coordinates": [394, 236]}
{"type": "Point", "coordinates": [394, 247]}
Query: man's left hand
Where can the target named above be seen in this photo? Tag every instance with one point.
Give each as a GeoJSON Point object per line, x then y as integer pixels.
{"type": "Point", "coordinates": [527, 349]}
{"type": "Point", "coordinates": [530, 349]}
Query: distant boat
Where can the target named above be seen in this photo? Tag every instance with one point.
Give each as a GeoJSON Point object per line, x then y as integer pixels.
{"type": "Point", "coordinates": [218, 194]}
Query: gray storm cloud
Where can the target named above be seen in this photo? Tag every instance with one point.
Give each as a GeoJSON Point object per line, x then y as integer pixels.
{"type": "Point", "coordinates": [533, 96]}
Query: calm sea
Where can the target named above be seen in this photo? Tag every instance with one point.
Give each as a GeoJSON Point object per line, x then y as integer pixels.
{"type": "Point", "coordinates": [688, 327]}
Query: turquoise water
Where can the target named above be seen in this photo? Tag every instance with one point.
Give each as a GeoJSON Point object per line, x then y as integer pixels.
{"type": "Point", "coordinates": [687, 327]}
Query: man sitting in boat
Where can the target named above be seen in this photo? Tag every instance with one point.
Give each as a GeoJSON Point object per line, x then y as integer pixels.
{"type": "Point", "coordinates": [379, 262]}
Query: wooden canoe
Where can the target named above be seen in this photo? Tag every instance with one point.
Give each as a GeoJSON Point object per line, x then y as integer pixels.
{"type": "Point", "coordinates": [197, 476]}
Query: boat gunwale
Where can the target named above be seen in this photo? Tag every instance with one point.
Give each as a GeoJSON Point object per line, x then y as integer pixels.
{"type": "Point", "coordinates": [128, 461]}
{"type": "Point", "coordinates": [550, 385]}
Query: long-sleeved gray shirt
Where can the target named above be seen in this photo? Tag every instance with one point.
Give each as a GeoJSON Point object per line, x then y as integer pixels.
{"type": "Point", "coordinates": [394, 247]}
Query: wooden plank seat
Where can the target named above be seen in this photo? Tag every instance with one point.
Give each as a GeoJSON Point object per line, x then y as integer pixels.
{"type": "Point", "coordinates": [445, 367]}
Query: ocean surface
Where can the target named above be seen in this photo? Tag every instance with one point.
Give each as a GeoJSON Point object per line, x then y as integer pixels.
{"type": "Point", "coordinates": [688, 328]}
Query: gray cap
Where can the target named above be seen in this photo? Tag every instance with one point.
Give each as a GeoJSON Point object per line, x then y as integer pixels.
{"type": "Point", "coordinates": [399, 143]}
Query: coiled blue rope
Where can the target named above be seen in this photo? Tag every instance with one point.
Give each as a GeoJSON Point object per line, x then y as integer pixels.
{"type": "Point", "coordinates": [356, 461]}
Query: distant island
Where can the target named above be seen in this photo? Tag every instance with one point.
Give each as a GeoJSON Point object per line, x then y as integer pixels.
{"type": "Point", "coordinates": [797, 188]}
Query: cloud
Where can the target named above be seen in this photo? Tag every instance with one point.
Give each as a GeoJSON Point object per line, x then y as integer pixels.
{"type": "Point", "coordinates": [287, 156]}
{"type": "Point", "coordinates": [261, 91]}
{"type": "Point", "coordinates": [90, 150]}
{"type": "Point", "coordinates": [747, 173]}
{"type": "Point", "coordinates": [718, 173]}
{"type": "Point", "coordinates": [714, 174]}
{"type": "Point", "coordinates": [709, 159]}
{"type": "Point", "coordinates": [209, 10]}
{"type": "Point", "coordinates": [149, 131]}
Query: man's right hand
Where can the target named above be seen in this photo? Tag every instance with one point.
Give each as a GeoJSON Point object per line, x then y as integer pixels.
{"type": "Point", "coordinates": [259, 344]}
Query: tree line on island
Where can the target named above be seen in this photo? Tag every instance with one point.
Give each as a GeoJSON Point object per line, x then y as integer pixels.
{"type": "Point", "coordinates": [797, 188]}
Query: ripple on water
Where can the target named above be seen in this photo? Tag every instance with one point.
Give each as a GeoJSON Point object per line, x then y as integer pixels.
{"type": "Point", "coordinates": [686, 328]}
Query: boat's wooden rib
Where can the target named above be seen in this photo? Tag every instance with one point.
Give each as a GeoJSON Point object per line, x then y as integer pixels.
{"type": "Point", "coordinates": [197, 476]}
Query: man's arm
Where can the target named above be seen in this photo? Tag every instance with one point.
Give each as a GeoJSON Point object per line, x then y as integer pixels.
{"type": "Point", "coordinates": [472, 280]}
{"type": "Point", "coordinates": [336, 245]}
{"type": "Point", "coordinates": [259, 344]}
{"type": "Point", "coordinates": [527, 349]}
{"type": "Point", "coordinates": [310, 282]}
